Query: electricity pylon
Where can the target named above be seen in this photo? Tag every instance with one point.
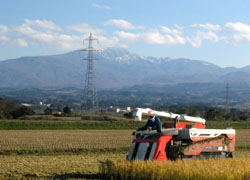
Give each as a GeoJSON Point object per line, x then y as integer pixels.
{"type": "Point", "coordinates": [90, 102]}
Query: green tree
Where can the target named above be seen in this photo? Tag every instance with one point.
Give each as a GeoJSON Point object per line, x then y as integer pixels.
{"type": "Point", "coordinates": [243, 117]}
{"type": "Point", "coordinates": [6, 107]}
{"type": "Point", "coordinates": [22, 111]}
{"type": "Point", "coordinates": [67, 110]}
{"type": "Point", "coordinates": [128, 115]}
{"type": "Point", "coordinates": [215, 114]}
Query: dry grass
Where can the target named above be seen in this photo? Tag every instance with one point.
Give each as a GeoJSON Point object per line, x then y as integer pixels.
{"type": "Point", "coordinates": [63, 139]}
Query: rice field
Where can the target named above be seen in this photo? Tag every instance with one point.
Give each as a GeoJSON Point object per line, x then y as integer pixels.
{"type": "Point", "coordinates": [243, 139]}
{"type": "Point", "coordinates": [87, 164]}
{"type": "Point", "coordinates": [63, 139]}
{"type": "Point", "coordinates": [81, 139]}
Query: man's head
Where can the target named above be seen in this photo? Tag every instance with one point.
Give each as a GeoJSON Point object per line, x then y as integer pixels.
{"type": "Point", "coordinates": [152, 118]}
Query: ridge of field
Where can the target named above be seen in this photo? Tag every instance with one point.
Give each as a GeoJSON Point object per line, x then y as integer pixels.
{"type": "Point", "coordinates": [54, 125]}
{"type": "Point", "coordinates": [42, 142]}
{"type": "Point", "coordinates": [104, 124]}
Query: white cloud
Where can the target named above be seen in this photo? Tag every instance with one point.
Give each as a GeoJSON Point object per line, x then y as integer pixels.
{"type": "Point", "coordinates": [241, 38]}
{"type": "Point", "coordinates": [85, 28]}
{"type": "Point", "coordinates": [3, 39]}
{"type": "Point", "coordinates": [43, 33]}
{"type": "Point", "coordinates": [42, 24]}
{"type": "Point", "coordinates": [151, 37]}
{"type": "Point", "coordinates": [130, 37]}
{"type": "Point", "coordinates": [29, 34]}
{"type": "Point", "coordinates": [170, 31]}
{"type": "Point", "coordinates": [16, 42]}
{"type": "Point", "coordinates": [233, 33]}
{"type": "Point", "coordinates": [24, 29]}
{"type": "Point", "coordinates": [240, 32]}
{"type": "Point", "coordinates": [101, 6]}
{"type": "Point", "coordinates": [173, 35]}
{"type": "Point", "coordinates": [197, 40]}
{"type": "Point", "coordinates": [238, 27]}
{"type": "Point", "coordinates": [4, 29]}
{"type": "Point", "coordinates": [45, 38]}
{"type": "Point", "coordinates": [178, 27]}
{"type": "Point", "coordinates": [108, 42]}
{"type": "Point", "coordinates": [209, 36]}
{"type": "Point", "coordinates": [63, 41]}
{"type": "Point", "coordinates": [210, 27]}
{"type": "Point", "coordinates": [154, 37]}
{"type": "Point", "coordinates": [180, 39]}
{"type": "Point", "coordinates": [107, 7]}
{"type": "Point", "coordinates": [20, 42]}
{"type": "Point", "coordinates": [122, 24]}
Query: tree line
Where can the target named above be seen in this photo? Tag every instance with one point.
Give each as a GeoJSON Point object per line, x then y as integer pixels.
{"type": "Point", "coordinates": [10, 109]}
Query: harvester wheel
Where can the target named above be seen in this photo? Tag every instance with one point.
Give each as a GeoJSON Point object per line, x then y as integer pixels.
{"type": "Point", "coordinates": [229, 155]}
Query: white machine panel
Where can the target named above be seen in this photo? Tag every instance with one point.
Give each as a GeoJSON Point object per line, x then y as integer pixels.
{"type": "Point", "coordinates": [209, 132]}
{"type": "Point", "coordinates": [142, 150]}
{"type": "Point", "coordinates": [131, 151]}
{"type": "Point", "coordinates": [152, 151]}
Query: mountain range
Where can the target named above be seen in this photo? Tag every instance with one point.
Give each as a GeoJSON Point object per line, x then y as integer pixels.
{"type": "Point", "coordinates": [114, 68]}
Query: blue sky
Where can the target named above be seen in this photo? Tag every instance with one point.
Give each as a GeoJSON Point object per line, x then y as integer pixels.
{"type": "Point", "coordinates": [217, 31]}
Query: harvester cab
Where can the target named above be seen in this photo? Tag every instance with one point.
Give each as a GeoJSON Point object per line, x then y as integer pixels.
{"type": "Point", "coordinates": [180, 140]}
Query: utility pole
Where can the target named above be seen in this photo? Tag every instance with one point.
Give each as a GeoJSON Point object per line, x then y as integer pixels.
{"type": "Point", "coordinates": [90, 102]}
{"type": "Point", "coordinates": [227, 98]}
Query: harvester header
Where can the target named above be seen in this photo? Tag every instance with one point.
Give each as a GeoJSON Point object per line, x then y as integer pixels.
{"type": "Point", "coordinates": [140, 111]}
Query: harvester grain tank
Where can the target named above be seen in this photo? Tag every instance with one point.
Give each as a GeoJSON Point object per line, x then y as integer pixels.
{"type": "Point", "coordinates": [180, 140]}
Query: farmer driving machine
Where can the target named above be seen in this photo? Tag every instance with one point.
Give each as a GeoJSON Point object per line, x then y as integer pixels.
{"type": "Point", "coordinates": [180, 140]}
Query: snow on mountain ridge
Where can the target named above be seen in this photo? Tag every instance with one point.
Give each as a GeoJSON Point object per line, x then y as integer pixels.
{"type": "Point", "coordinates": [123, 55]}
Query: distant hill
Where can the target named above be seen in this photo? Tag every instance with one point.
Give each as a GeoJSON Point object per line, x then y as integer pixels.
{"type": "Point", "coordinates": [186, 94]}
{"type": "Point", "coordinates": [115, 68]}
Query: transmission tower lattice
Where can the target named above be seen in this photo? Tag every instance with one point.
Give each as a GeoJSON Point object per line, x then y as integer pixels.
{"type": "Point", "coordinates": [90, 101]}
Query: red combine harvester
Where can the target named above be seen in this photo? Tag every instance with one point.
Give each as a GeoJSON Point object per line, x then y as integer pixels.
{"type": "Point", "coordinates": [180, 140]}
